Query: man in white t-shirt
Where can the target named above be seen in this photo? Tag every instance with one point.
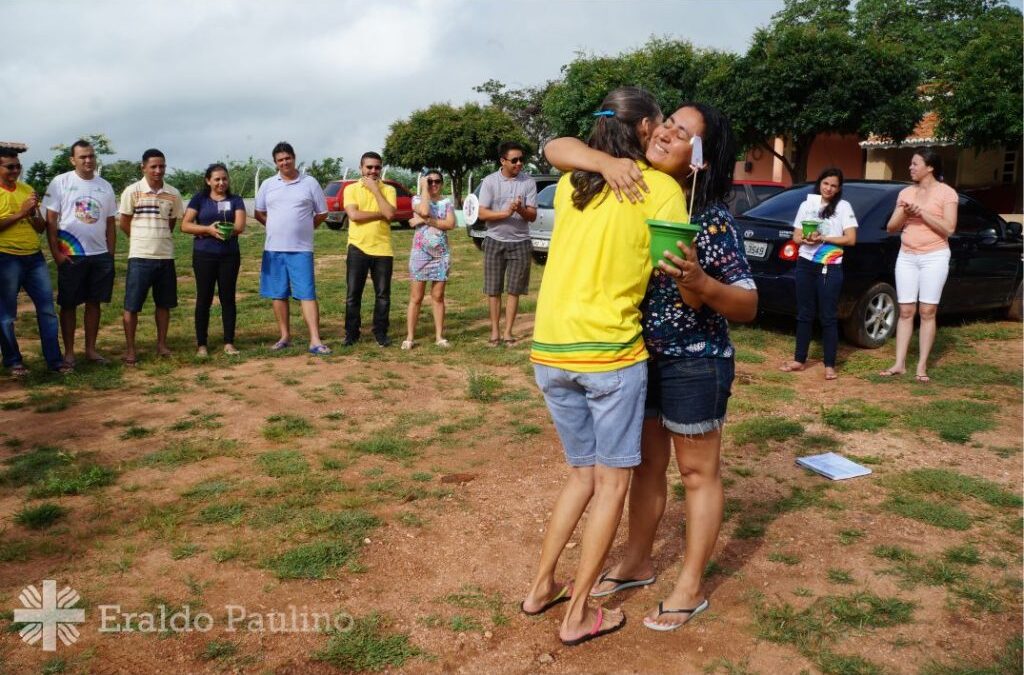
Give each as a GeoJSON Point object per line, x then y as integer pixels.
{"type": "Point", "coordinates": [80, 209]}
{"type": "Point", "coordinates": [149, 211]}
{"type": "Point", "coordinates": [291, 206]}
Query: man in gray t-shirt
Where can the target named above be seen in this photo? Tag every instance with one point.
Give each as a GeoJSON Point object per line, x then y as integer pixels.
{"type": "Point", "coordinates": [508, 204]}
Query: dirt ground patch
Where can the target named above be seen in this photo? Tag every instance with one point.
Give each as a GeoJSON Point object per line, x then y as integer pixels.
{"type": "Point", "coordinates": [415, 487]}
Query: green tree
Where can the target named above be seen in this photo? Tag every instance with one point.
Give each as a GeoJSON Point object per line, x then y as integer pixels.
{"type": "Point", "coordinates": [820, 13]}
{"type": "Point", "coordinates": [979, 96]}
{"type": "Point", "coordinates": [454, 140]}
{"type": "Point", "coordinates": [798, 81]}
{"type": "Point", "coordinates": [326, 170]}
{"type": "Point", "coordinates": [121, 173]}
{"type": "Point", "coordinates": [41, 173]}
{"type": "Point", "coordinates": [187, 181]}
{"type": "Point", "coordinates": [672, 70]}
{"type": "Point", "coordinates": [525, 106]}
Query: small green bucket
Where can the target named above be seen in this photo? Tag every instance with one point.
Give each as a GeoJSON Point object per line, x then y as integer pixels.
{"type": "Point", "coordinates": [665, 234]}
{"type": "Point", "coordinates": [227, 230]}
{"type": "Point", "coordinates": [810, 227]}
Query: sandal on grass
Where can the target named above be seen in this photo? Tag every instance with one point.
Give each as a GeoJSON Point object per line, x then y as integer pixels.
{"type": "Point", "coordinates": [653, 624]}
{"type": "Point", "coordinates": [596, 631]}
{"type": "Point", "coordinates": [890, 372]}
{"type": "Point", "coordinates": [280, 344]}
{"type": "Point", "coordinates": [19, 371]}
{"type": "Point", "coordinates": [443, 344]}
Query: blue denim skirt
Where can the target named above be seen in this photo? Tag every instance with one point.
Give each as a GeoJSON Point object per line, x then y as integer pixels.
{"type": "Point", "coordinates": [690, 395]}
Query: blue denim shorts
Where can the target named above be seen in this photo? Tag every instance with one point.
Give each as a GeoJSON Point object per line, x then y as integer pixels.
{"type": "Point", "coordinates": [146, 273]}
{"type": "Point", "coordinates": [286, 273]}
{"type": "Point", "coordinates": [689, 394]}
{"type": "Point", "coordinates": [598, 416]}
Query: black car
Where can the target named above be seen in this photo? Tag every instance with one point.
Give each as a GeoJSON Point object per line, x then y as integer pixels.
{"type": "Point", "coordinates": [985, 267]}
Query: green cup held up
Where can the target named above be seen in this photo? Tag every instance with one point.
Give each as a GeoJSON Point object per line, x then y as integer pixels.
{"type": "Point", "coordinates": [665, 234]}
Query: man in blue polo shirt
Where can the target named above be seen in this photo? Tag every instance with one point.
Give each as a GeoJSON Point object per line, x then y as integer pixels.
{"type": "Point", "coordinates": [291, 206]}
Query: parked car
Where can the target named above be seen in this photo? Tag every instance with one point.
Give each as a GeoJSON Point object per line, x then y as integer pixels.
{"type": "Point", "coordinates": [745, 194]}
{"type": "Point", "coordinates": [985, 267]}
{"type": "Point", "coordinates": [477, 230]}
{"type": "Point", "coordinates": [337, 219]}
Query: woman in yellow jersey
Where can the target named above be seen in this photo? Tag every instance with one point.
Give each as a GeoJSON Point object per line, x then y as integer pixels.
{"type": "Point", "coordinates": [589, 355]}
{"type": "Point", "coordinates": [685, 320]}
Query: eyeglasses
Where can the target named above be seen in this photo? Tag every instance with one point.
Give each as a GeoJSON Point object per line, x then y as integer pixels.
{"type": "Point", "coordinates": [12, 167]}
{"type": "Point", "coordinates": [372, 167]}
{"type": "Point", "coordinates": [514, 160]}
{"type": "Point", "coordinates": [434, 181]}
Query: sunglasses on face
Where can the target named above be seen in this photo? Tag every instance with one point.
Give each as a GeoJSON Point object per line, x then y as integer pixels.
{"type": "Point", "coordinates": [514, 160]}
{"type": "Point", "coordinates": [434, 181]}
{"type": "Point", "coordinates": [12, 167]}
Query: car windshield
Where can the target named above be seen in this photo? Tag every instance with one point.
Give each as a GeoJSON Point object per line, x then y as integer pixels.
{"type": "Point", "coordinates": [332, 189]}
{"type": "Point", "coordinates": [546, 197]}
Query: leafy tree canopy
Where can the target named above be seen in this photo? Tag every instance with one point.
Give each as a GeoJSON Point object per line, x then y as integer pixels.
{"type": "Point", "coordinates": [454, 140]}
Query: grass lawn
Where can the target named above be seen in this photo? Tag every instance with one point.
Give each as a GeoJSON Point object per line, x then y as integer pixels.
{"type": "Point", "coordinates": [400, 499]}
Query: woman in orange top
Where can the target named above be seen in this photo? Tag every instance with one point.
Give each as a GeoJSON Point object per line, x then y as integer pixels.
{"type": "Point", "coordinates": [926, 215]}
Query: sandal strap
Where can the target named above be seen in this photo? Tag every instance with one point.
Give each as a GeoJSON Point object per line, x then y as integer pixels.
{"type": "Point", "coordinates": [662, 610]}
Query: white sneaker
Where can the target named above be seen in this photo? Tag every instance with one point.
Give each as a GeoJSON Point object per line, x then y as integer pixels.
{"type": "Point", "coordinates": [407, 344]}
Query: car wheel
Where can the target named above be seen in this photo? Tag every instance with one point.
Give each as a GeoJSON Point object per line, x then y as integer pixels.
{"type": "Point", "coordinates": [540, 258]}
{"type": "Point", "coordinates": [873, 320]}
{"type": "Point", "coordinates": [1015, 312]}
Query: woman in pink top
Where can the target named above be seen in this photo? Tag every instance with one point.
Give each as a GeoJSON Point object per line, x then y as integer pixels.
{"type": "Point", "coordinates": [926, 215]}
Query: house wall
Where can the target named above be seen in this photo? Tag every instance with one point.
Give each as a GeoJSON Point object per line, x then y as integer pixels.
{"type": "Point", "coordinates": [827, 150]}
{"type": "Point", "coordinates": [980, 169]}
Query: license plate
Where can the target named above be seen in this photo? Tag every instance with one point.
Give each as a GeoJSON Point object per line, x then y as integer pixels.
{"type": "Point", "coordinates": [541, 243]}
{"type": "Point", "coordinates": [755, 249]}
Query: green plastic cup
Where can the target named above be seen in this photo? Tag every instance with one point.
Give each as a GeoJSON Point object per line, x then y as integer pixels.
{"type": "Point", "coordinates": [227, 230]}
{"type": "Point", "coordinates": [665, 234]}
{"type": "Point", "coordinates": [809, 227]}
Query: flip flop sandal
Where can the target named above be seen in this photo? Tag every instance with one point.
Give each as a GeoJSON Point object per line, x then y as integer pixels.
{"type": "Point", "coordinates": [596, 632]}
{"type": "Point", "coordinates": [563, 595]}
{"type": "Point", "coordinates": [320, 350]}
{"type": "Point", "coordinates": [19, 371]}
{"type": "Point", "coordinates": [620, 584]}
{"type": "Point", "coordinates": [443, 344]}
{"type": "Point", "coordinates": [494, 342]}
{"type": "Point", "coordinates": [923, 379]}
{"type": "Point", "coordinates": [654, 625]}
{"type": "Point", "coordinates": [99, 361]}
{"type": "Point", "coordinates": [130, 361]}
{"type": "Point", "coordinates": [280, 344]}
{"type": "Point", "coordinates": [889, 372]}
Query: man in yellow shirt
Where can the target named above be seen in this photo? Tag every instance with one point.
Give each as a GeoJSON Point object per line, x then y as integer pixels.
{"type": "Point", "coordinates": [370, 205]}
{"type": "Point", "coordinates": [22, 265]}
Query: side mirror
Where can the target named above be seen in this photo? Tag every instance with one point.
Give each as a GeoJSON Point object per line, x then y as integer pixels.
{"type": "Point", "coordinates": [988, 237]}
{"type": "Point", "coordinates": [1014, 229]}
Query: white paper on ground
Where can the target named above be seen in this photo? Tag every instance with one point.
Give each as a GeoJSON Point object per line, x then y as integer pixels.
{"type": "Point", "coordinates": [833, 466]}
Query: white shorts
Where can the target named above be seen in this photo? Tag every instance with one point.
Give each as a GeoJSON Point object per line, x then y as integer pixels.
{"type": "Point", "coordinates": [921, 276]}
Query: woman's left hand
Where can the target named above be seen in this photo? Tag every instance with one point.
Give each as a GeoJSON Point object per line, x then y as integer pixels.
{"type": "Point", "coordinates": [815, 238]}
{"type": "Point", "coordinates": [686, 272]}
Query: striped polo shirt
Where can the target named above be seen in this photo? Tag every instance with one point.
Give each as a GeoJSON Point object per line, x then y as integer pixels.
{"type": "Point", "coordinates": [152, 212]}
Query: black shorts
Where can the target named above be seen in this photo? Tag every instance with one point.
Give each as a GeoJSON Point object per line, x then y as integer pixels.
{"type": "Point", "coordinates": [85, 278]}
{"type": "Point", "coordinates": [146, 273]}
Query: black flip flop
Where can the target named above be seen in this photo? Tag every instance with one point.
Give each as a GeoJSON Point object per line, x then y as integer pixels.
{"type": "Point", "coordinates": [621, 584]}
{"type": "Point", "coordinates": [596, 632]}
{"type": "Point", "coordinates": [563, 595]}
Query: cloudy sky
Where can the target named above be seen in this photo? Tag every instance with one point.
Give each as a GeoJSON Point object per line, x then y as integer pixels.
{"type": "Point", "coordinates": [213, 79]}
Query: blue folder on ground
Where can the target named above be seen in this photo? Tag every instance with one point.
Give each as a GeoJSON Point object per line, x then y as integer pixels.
{"type": "Point", "coordinates": [833, 466]}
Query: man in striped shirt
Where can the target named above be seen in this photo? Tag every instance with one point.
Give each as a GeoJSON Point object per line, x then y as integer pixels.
{"type": "Point", "coordinates": [149, 211]}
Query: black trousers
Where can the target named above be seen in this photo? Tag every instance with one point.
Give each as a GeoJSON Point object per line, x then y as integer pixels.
{"type": "Point", "coordinates": [222, 271]}
{"type": "Point", "coordinates": [358, 265]}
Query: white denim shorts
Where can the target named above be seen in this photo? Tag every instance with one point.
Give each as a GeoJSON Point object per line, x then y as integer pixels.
{"type": "Point", "coordinates": [921, 276]}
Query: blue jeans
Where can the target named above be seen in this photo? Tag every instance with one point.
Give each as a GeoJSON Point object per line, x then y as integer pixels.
{"type": "Point", "coordinates": [598, 416]}
{"type": "Point", "coordinates": [817, 295]}
{"type": "Point", "coordinates": [31, 273]}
